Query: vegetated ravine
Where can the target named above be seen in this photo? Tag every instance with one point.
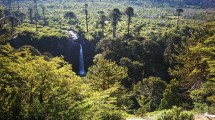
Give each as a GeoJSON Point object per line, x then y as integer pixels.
{"type": "Point", "coordinates": [76, 49]}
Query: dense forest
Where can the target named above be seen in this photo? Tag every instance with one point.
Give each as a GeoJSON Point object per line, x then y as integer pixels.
{"type": "Point", "coordinates": [107, 59]}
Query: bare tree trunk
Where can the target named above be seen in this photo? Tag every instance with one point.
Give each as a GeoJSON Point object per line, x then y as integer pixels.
{"type": "Point", "coordinates": [30, 15]}
{"type": "Point", "coordinates": [18, 7]}
{"type": "Point", "coordinates": [9, 4]}
{"type": "Point", "coordinates": [103, 29]}
{"type": "Point", "coordinates": [129, 20]}
{"type": "Point", "coordinates": [177, 21]}
{"type": "Point", "coordinates": [43, 10]}
{"type": "Point", "coordinates": [87, 22]}
{"type": "Point", "coordinates": [114, 31]}
{"type": "Point", "coordinates": [86, 15]}
{"type": "Point", "coordinates": [36, 14]}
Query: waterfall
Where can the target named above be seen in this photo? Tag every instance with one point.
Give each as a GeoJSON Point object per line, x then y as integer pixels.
{"type": "Point", "coordinates": [73, 37]}
{"type": "Point", "coordinates": [81, 62]}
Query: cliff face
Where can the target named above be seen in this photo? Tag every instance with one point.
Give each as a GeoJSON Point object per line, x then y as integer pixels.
{"type": "Point", "coordinates": [65, 47]}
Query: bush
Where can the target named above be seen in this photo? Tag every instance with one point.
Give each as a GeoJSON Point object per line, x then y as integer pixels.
{"type": "Point", "coordinates": [166, 115]}
{"type": "Point", "coordinates": [176, 114]}
{"type": "Point", "coordinates": [200, 107]}
{"type": "Point", "coordinates": [212, 109]}
{"type": "Point", "coordinates": [141, 111]}
{"type": "Point", "coordinates": [112, 115]}
{"type": "Point", "coordinates": [185, 115]}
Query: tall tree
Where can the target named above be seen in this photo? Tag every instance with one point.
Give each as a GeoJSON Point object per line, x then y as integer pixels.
{"type": "Point", "coordinates": [179, 11]}
{"type": "Point", "coordinates": [1, 17]}
{"type": "Point", "coordinates": [36, 14]}
{"type": "Point", "coordinates": [115, 15]}
{"type": "Point", "coordinates": [8, 18]}
{"type": "Point", "coordinates": [70, 16]}
{"type": "Point", "coordinates": [7, 24]}
{"type": "Point", "coordinates": [43, 11]}
{"type": "Point", "coordinates": [18, 5]}
{"type": "Point", "coordinates": [171, 95]}
{"type": "Point", "coordinates": [148, 93]}
{"type": "Point", "coordinates": [13, 20]}
{"type": "Point", "coordinates": [105, 74]}
{"type": "Point", "coordinates": [30, 15]}
{"type": "Point", "coordinates": [21, 16]}
{"type": "Point", "coordinates": [129, 12]}
{"type": "Point", "coordinates": [9, 4]}
{"type": "Point", "coordinates": [86, 16]}
{"type": "Point", "coordinates": [102, 20]}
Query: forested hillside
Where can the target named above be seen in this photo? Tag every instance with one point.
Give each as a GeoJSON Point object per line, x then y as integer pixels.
{"type": "Point", "coordinates": [107, 59]}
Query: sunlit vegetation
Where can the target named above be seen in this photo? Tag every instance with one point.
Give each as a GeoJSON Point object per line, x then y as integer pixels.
{"type": "Point", "coordinates": [143, 58]}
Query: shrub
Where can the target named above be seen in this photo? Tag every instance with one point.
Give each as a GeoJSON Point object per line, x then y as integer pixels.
{"type": "Point", "coordinates": [212, 109]}
{"type": "Point", "coordinates": [200, 107]}
{"type": "Point", "coordinates": [112, 115]}
{"type": "Point", "coordinates": [176, 114]}
{"type": "Point", "coordinates": [166, 115]}
{"type": "Point", "coordinates": [141, 111]}
{"type": "Point", "coordinates": [186, 115]}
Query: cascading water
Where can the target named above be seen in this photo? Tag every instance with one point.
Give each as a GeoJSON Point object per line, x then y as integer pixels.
{"type": "Point", "coordinates": [74, 36]}
{"type": "Point", "coordinates": [81, 62]}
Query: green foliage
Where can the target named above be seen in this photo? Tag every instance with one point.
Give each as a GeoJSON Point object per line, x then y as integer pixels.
{"type": "Point", "coordinates": [104, 78]}
{"type": "Point", "coordinates": [97, 105]}
{"type": "Point", "coordinates": [171, 96]}
{"type": "Point", "coordinates": [196, 69]}
{"type": "Point", "coordinates": [175, 114]}
{"type": "Point", "coordinates": [173, 47]}
{"type": "Point", "coordinates": [105, 74]}
{"type": "Point", "coordinates": [69, 15]}
{"type": "Point", "coordinates": [53, 91]}
{"type": "Point", "coordinates": [148, 93]}
{"type": "Point", "coordinates": [44, 32]}
{"type": "Point", "coordinates": [113, 115]}
{"type": "Point", "coordinates": [143, 58]}
{"type": "Point", "coordinates": [115, 15]}
{"type": "Point", "coordinates": [44, 87]}
{"type": "Point", "coordinates": [129, 11]}
{"type": "Point", "coordinates": [185, 115]}
{"type": "Point", "coordinates": [200, 108]}
{"type": "Point", "coordinates": [34, 88]}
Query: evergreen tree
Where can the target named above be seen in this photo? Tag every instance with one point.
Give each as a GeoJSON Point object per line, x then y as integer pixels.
{"type": "Point", "coordinates": [102, 20]}
{"type": "Point", "coordinates": [105, 74]}
{"type": "Point", "coordinates": [171, 95]}
{"type": "Point", "coordinates": [30, 15]}
{"type": "Point", "coordinates": [129, 12]}
{"type": "Point", "coordinates": [115, 15]}
{"type": "Point", "coordinates": [148, 93]}
{"type": "Point", "coordinates": [179, 11]}
{"type": "Point", "coordinates": [70, 16]}
{"type": "Point", "coordinates": [86, 16]}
